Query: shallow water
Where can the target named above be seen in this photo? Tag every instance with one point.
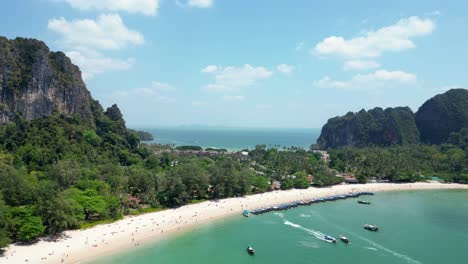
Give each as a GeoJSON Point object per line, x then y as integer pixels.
{"type": "Point", "coordinates": [415, 227]}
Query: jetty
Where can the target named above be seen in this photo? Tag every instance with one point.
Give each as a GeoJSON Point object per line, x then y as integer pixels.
{"type": "Point", "coordinates": [294, 204]}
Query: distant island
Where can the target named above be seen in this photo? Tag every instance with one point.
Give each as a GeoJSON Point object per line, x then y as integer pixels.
{"type": "Point", "coordinates": [144, 136]}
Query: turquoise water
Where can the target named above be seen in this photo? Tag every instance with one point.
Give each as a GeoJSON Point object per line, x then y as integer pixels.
{"type": "Point", "coordinates": [415, 227]}
{"type": "Point", "coordinates": [235, 139]}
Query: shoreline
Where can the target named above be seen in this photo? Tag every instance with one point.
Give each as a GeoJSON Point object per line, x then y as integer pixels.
{"type": "Point", "coordinates": [86, 245]}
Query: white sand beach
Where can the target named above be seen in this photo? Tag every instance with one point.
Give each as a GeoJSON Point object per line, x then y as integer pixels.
{"type": "Point", "coordinates": [133, 231]}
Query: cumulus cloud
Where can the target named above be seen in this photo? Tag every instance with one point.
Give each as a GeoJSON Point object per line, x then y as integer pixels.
{"type": "Point", "coordinates": [146, 7]}
{"type": "Point", "coordinates": [285, 68]}
{"type": "Point", "coordinates": [84, 37]}
{"type": "Point", "coordinates": [107, 32]}
{"type": "Point", "coordinates": [233, 78]}
{"type": "Point", "coordinates": [360, 65]}
{"type": "Point", "coordinates": [92, 63]}
{"type": "Point", "coordinates": [378, 79]}
{"type": "Point", "coordinates": [372, 44]}
{"type": "Point", "coordinates": [210, 69]}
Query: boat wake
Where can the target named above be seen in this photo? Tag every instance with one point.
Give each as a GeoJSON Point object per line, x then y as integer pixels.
{"type": "Point", "coordinates": [316, 234]}
{"type": "Point", "coordinates": [392, 252]}
{"type": "Point", "coordinates": [371, 248]}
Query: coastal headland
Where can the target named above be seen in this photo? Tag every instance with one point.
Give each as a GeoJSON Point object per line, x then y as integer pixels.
{"type": "Point", "coordinates": [81, 246]}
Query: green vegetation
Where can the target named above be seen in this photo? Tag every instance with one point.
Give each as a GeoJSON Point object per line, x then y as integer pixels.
{"type": "Point", "coordinates": [443, 114]}
{"type": "Point", "coordinates": [434, 122]}
{"type": "Point", "coordinates": [143, 135]}
{"type": "Point", "coordinates": [376, 127]}
{"type": "Point", "coordinates": [288, 165]}
{"type": "Point", "coordinates": [197, 148]}
{"type": "Point", "coordinates": [61, 172]}
{"type": "Point", "coordinates": [216, 149]}
{"type": "Point", "coordinates": [403, 163]}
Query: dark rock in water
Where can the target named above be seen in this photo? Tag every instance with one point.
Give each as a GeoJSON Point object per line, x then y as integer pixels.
{"type": "Point", "coordinates": [443, 114]}
{"type": "Point", "coordinates": [35, 82]}
{"type": "Point", "coordinates": [376, 127]}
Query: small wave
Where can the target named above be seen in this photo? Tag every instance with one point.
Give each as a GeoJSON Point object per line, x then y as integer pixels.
{"type": "Point", "coordinates": [371, 248]}
{"type": "Point", "coordinates": [304, 215]}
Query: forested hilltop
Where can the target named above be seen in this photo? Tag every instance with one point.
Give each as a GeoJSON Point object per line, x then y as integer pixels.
{"type": "Point", "coordinates": [397, 145]}
{"type": "Point", "coordinates": [433, 123]}
{"type": "Point", "coordinates": [67, 163]}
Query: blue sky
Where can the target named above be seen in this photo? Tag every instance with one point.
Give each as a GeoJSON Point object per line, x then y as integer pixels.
{"type": "Point", "coordinates": [242, 63]}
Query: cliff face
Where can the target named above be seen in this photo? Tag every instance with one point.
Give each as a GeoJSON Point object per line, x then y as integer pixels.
{"type": "Point", "coordinates": [441, 119]}
{"type": "Point", "coordinates": [376, 127]}
{"type": "Point", "coordinates": [443, 114]}
{"type": "Point", "coordinates": [35, 82]}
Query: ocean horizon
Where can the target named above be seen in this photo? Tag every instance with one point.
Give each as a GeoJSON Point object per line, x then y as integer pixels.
{"type": "Point", "coordinates": [233, 138]}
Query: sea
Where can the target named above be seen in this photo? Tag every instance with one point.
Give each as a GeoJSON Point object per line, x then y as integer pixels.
{"type": "Point", "coordinates": [234, 139]}
{"type": "Point", "coordinates": [429, 227]}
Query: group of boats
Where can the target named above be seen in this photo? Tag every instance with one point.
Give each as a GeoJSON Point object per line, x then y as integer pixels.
{"type": "Point", "coordinates": [280, 207]}
{"type": "Point", "coordinates": [308, 202]}
{"type": "Point", "coordinates": [328, 238]}
{"type": "Point", "coordinates": [345, 239]}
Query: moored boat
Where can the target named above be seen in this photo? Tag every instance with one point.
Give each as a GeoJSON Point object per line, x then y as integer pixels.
{"type": "Point", "coordinates": [250, 250]}
{"type": "Point", "coordinates": [330, 238]}
{"type": "Point", "coordinates": [245, 213]}
{"type": "Point", "coordinates": [363, 202]}
{"type": "Point", "coordinates": [371, 227]}
{"type": "Point", "coordinates": [344, 239]}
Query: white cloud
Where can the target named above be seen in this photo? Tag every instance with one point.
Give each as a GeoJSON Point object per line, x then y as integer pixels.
{"type": "Point", "coordinates": [194, 3]}
{"type": "Point", "coordinates": [234, 98]}
{"type": "Point", "coordinates": [82, 38]}
{"type": "Point", "coordinates": [285, 68]}
{"type": "Point", "coordinates": [155, 92]}
{"type": "Point", "coordinates": [434, 13]}
{"type": "Point", "coordinates": [92, 63]}
{"type": "Point", "coordinates": [108, 32]}
{"type": "Point", "coordinates": [300, 45]}
{"type": "Point", "coordinates": [360, 65]}
{"type": "Point", "coordinates": [210, 69]}
{"type": "Point", "coordinates": [158, 86]}
{"type": "Point", "coordinates": [146, 7]}
{"type": "Point", "coordinates": [233, 78]}
{"type": "Point", "coordinates": [372, 44]}
{"type": "Point", "coordinates": [200, 3]}
{"type": "Point", "coordinates": [378, 79]}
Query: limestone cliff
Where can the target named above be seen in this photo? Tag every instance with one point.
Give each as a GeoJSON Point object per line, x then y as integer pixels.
{"type": "Point", "coordinates": [36, 82]}
{"type": "Point", "coordinates": [376, 127]}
